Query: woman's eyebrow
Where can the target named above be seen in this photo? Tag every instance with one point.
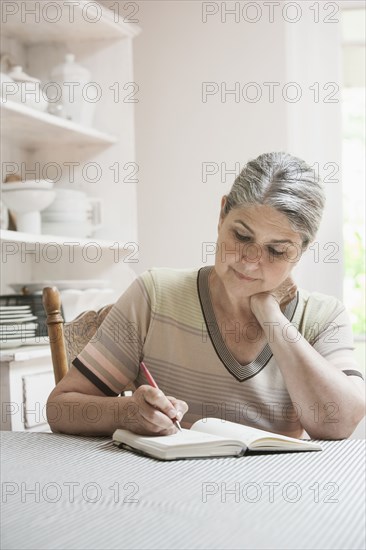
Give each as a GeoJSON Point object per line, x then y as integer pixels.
{"type": "Point", "coordinates": [246, 226]}
{"type": "Point", "coordinates": [274, 241]}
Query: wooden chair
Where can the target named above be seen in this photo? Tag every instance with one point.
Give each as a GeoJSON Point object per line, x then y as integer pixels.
{"type": "Point", "coordinates": [68, 339]}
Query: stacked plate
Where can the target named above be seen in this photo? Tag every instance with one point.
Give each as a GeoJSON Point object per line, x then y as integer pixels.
{"type": "Point", "coordinates": [77, 296]}
{"type": "Point", "coordinates": [17, 327]}
{"type": "Point", "coordinates": [69, 214]}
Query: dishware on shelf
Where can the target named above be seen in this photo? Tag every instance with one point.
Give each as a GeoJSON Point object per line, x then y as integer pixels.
{"type": "Point", "coordinates": [77, 296]}
{"type": "Point", "coordinates": [55, 109]}
{"type": "Point", "coordinates": [28, 90]}
{"type": "Point", "coordinates": [15, 309]}
{"type": "Point", "coordinates": [72, 214]}
{"type": "Point", "coordinates": [17, 326]}
{"type": "Point", "coordinates": [61, 284]}
{"type": "Point", "coordinates": [17, 320]}
{"type": "Point", "coordinates": [27, 341]}
{"type": "Point", "coordinates": [75, 301]}
{"type": "Point", "coordinates": [27, 309]}
{"type": "Point", "coordinates": [76, 105]}
{"type": "Point", "coordinates": [32, 341]}
{"type": "Point", "coordinates": [15, 314]}
{"type": "Point", "coordinates": [57, 217]}
{"type": "Point", "coordinates": [26, 199]}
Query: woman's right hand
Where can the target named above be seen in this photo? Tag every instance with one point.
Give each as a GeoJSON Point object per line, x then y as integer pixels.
{"type": "Point", "coordinates": [149, 412]}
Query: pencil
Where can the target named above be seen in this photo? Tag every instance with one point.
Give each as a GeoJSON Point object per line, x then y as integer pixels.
{"type": "Point", "coordinates": [152, 383]}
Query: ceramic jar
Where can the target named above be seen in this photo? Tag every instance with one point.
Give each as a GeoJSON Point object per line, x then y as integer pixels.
{"type": "Point", "coordinates": [28, 90]}
{"type": "Point", "coordinates": [73, 79]}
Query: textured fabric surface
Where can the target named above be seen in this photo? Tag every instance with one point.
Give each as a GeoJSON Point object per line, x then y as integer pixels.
{"type": "Point", "coordinates": [166, 318]}
{"type": "Point", "coordinates": [72, 492]}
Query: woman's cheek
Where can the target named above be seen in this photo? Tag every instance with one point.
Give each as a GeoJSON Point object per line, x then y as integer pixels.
{"type": "Point", "coordinates": [275, 274]}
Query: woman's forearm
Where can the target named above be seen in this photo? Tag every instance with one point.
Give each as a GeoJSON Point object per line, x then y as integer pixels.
{"type": "Point", "coordinates": [81, 414]}
{"type": "Point", "coordinates": [328, 404]}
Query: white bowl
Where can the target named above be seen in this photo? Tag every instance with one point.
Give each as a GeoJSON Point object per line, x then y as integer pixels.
{"type": "Point", "coordinates": [26, 202]}
{"type": "Point", "coordinates": [26, 185]}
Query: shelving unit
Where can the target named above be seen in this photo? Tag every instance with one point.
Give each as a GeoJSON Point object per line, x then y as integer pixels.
{"type": "Point", "coordinates": [37, 35]}
{"type": "Point", "coordinates": [19, 237]}
{"type": "Point", "coordinates": [24, 353]}
{"type": "Point", "coordinates": [32, 138]}
{"type": "Point", "coordinates": [34, 23]}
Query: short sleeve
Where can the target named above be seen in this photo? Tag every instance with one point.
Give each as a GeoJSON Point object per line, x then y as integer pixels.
{"type": "Point", "coordinates": [111, 358]}
{"type": "Point", "coordinates": [334, 341]}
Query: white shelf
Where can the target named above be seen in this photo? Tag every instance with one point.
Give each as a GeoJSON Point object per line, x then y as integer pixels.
{"type": "Point", "coordinates": [25, 353]}
{"type": "Point", "coordinates": [68, 23]}
{"type": "Point", "coordinates": [32, 129]}
{"type": "Point", "coordinates": [19, 237]}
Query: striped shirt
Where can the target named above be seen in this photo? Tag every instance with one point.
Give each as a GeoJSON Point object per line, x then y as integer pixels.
{"type": "Point", "coordinates": [166, 319]}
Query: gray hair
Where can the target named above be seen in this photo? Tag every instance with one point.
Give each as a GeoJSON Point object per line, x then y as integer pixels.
{"type": "Point", "coordinates": [287, 184]}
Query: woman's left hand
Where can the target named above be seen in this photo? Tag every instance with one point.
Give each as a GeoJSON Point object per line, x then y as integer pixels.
{"type": "Point", "coordinates": [282, 295]}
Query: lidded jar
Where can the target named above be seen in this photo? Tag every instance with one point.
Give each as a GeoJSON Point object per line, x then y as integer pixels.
{"type": "Point", "coordinates": [73, 80]}
{"type": "Point", "coordinates": [29, 90]}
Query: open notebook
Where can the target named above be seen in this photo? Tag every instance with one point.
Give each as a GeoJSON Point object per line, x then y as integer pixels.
{"type": "Point", "coordinates": [210, 437]}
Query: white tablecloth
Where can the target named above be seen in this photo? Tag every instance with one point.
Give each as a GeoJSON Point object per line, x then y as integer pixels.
{"type": "Point", "coordinates": [71, 492]}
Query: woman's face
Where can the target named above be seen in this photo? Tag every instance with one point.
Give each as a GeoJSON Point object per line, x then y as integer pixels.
{"type": "Point", "coordinates": [256, 249]}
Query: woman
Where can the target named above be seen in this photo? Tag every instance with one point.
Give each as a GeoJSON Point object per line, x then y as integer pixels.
{"type": "Point", "coordinates": [235, 340]}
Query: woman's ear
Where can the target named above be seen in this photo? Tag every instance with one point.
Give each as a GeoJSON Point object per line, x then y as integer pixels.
{"type": "Point", "coordinates": [300, 249]}
{"type": "Point", "coordinates": [306, 245]}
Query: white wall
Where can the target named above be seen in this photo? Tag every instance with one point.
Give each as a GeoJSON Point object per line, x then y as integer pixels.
{"type": "Point", "coordinates": [176, 132]}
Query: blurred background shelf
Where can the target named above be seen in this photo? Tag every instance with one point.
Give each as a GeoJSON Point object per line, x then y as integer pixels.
{"type": "Point", "coordinates": [18, 237]}
{"type": "Point", "coordinates": [31, 129]}
{"type": "Point", "coordinates": [33, 22]}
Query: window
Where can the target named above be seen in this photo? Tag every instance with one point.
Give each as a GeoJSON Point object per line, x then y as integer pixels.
{"type": "Point", "coordinates": [353, 164]}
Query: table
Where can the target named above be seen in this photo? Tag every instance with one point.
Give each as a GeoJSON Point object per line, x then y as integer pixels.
{"type": "Point", "coordinates": [26, 380]}
{"type": "Point", "coordinates": [74, 492]}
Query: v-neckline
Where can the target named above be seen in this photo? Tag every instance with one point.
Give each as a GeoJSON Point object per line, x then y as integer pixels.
{"type": "Point", "coordinates": [240, 372]}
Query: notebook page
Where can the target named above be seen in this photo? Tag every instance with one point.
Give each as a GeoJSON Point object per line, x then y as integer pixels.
{"type": "Point", "coordinates": [180, 439]}
{"type": "Point", "coordinates": [240, 432]}
{"type": "Point", "coordinates": [183, 438]}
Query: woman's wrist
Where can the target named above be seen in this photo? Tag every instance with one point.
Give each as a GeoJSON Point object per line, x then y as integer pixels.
{"type": "Point", "coordinates": [265, 307]}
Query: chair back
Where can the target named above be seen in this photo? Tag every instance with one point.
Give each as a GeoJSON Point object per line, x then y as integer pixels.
{"type": "Point", "coordinates": [68, 339]}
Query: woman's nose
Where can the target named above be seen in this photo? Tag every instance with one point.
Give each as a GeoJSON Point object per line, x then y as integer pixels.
{"type": "Point", "coordinates": [252, 253]}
